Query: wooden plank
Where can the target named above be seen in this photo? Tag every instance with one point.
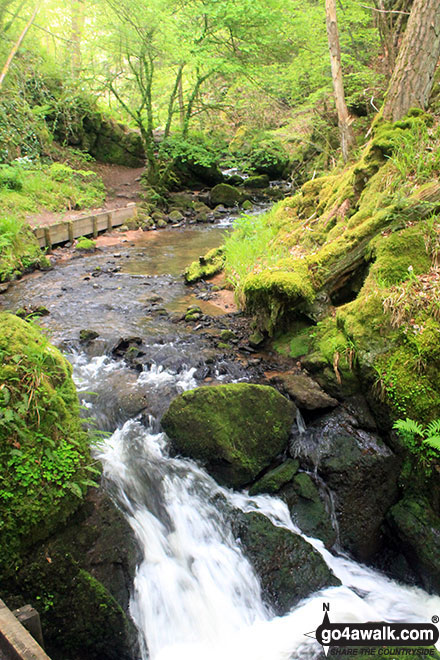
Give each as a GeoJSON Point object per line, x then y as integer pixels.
{"type": "Point", "coordinates": [15, 641]}
{"type": "Point", "coordinates": [47, 238]}
{"type": "Point", "coordinates": [64, 231]}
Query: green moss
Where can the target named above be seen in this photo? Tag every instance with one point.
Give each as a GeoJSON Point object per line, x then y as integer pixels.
{"type": "Point", "coordinates": [226, 195]}
{"type": "Point", "coordinates": [85, 245]}
{"type": "Point", "coordinates": [409, 387]}
{"type": "Point", "coordinates": [19, 249]}
{"type": "Point", "coordinates": [273, 293]}
{"type": "Point", "coordinates": [208, 266]}
{"type": "Point", "coordinates": [295, 342]}
{"type": "Point", "coordinates": [417, 529]}
{"type": "Point", "coordinates": [400, 255]}
{"type": "Point", "coordinates": [42, 447]}
{"type": "Point", "coordinates": [274, 480]}
{"type": "Point", "coordinates": [236, 430]}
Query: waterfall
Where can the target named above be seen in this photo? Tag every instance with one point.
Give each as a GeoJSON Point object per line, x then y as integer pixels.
{"type": "Point", "coordinates": [195, 595]}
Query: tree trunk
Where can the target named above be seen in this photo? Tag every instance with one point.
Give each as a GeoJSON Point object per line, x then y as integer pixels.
{"type": "Point", "coordinates": [344, 120]}
{"type": "Point", "coordinates": [181, 103]}
{"type": "Point", "coordinates": [175, 89]}
{"type": "Point", "coordinates": [413, 76]}
{"type": "Point", "coordinates": [17, 46]}
{"type": "Point", "coordinates": [76, 33]}
{"type": "Point", "coordinates": [391, 17]}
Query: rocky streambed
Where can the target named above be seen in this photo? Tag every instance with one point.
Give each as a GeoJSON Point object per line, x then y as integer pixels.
{"type": "Point", "coordinates": [271, 519]}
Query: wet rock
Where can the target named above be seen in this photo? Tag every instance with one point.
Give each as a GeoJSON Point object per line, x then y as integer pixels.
{"type": "Point", "coordinates": [305, 392]}
{"type": "Point", "coordinates": [247, 205]}
{"type": "Point", "coordinates": [127, 347]}
{"type": "Point", "coordinates": [39, 310]}
{"type": "Point", "coordinates": [226, 195]}
{"type": "Point", "coordinates": [273, 481]}
{"type": "Point", "coordinates": [415, 528]}
{"type": "Point", "coordinates": [234, 180]}
{"type": "Point", "coordinates": [86, 336]}
{"type": "Point", "coordinates": [256, 339]}
{"type": "Point", "coordinates": [289, 568]}
{"type": "Point", "coordinates": [260, 181]}
{"type": "Point", "coordinates": [235, 430]}
{"type": "Point", "coordinates": [227, 335]}
{"type": "Point", "coordinates": [307, 508]}
{"type": "Point", "coordinates": [4, 287]}
{"type": "Point", "coordinates": [360, 470]}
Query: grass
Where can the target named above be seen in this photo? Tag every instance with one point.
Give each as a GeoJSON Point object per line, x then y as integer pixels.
{"type": "Point", "coordinates": [28, 187]}
{"type": "Point", "coordinates": [249, 248]}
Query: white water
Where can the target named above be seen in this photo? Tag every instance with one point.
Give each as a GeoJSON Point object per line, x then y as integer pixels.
{"type": "Point", "coordinates": [195, 594]}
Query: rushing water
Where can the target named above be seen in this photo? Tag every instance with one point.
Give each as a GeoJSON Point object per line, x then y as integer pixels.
{"type": "Point", "coordinates": [195, 595]}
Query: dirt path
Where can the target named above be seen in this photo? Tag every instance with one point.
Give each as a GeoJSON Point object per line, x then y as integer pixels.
{"type": "Point", "coordinates": [122, 185]}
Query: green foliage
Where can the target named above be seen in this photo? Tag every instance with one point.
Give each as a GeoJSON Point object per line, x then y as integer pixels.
{"type": "Point", "coordinates": [19, 249]}
{"type": "Point", "coordinates": [249, 248]}
{"type": "Point", "coordinates": [55, 187]}
{"type": "Point", "coordinates": [197, 149]}
{"type": "Point", "coordinates": [422, 441]}
{"type": "Point", "coordinates": [10, 178]}
{"type": "Point", "coordinates": [43, 450]}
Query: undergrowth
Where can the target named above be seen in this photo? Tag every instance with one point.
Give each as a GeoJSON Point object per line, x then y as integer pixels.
{"type": "Point", "coordinates": [27, 187]}
{"type": "Point", "coordinates": [45, 465]}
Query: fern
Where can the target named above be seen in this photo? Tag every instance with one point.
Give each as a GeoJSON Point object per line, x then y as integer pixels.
{"type": "Point", "coordinates": [433, 441]}
{"type": "Point", "coordinates": [409, 428]}
{"type": "Point", "coordinates": [433, 428]}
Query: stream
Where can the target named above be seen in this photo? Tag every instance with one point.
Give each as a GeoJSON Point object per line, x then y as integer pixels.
{"type": "Point", "coordinates": [195, 595]}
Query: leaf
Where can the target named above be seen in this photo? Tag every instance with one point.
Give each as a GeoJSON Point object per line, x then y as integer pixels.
{"type": "Point", "coordinates": [408, 426]}
{"type": "Point", "coordinates": [90, 483]}
{"type": "Point", "coordinates": [433, 428]}
{"type": "Point", "coordinates": [433, 441]}
{"type": "Point", "coordinates": [74, 488]}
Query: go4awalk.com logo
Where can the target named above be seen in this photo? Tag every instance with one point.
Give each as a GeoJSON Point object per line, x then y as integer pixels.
{"type": "Point", "coordinates": [376, 638]}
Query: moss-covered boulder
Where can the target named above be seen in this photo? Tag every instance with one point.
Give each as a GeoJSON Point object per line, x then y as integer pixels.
{"type": "Point", "coordinates": [415, 530]}
{"type": "Point", "coordinates": [80, 580]}
{"type": "Point", "coordinates": [260, 181]}
{"type": "Point", "coordinates": [235, 430]}
{"type": "Point", "coordinates": [362, 473]}
{"type": "Point", "coordinates": [208, 266]}
{"type": "Point", "coordinates": [289, 568]}
{"type": "Point", "coordinates": [226, 195]}
{"type": "Point", "coordinates": [99, 135]}
{"type": "Point", "coordinates": [308, 508]}
{"type": "Point", "coordinates": [275, 479]}
{"type": "Point", "coordinates": [43, 451]}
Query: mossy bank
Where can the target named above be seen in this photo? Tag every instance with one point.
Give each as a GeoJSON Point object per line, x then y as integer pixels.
{"type": "Point", "coordinates": [46, 471]}
{"type": "Point", "coordinates": [349, 270]}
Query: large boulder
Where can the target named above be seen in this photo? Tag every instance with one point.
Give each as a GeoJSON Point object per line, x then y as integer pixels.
{"type": "Point", "coordinates": [415, 530]}
{"type": "Point", "coordinates": [309, 508]}
{"type": "Point", "coordinates": [304, 391]}
{"type": "Point", "coordinates": [360, 470]}
{"type": "Point", "coordinates": [235, 430]}
{"type": "Point", "coordinates": [226, 195]}
{"type": "Point", "coordinates": [80, 581]}
{"type": "Point", "coordinates": [289, 568]}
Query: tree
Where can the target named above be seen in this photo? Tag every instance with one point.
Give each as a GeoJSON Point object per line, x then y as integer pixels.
{"type": "Point", "coordinates": [391, 17]}
{"type": "Point", "coordinates": [413, 75]}
{"type": "Point", "coordinates": [344, 119]}
{"type": "Point", "coordinates": [77, 17]}
{"type": "Point", "coordinates": [17, 45]}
